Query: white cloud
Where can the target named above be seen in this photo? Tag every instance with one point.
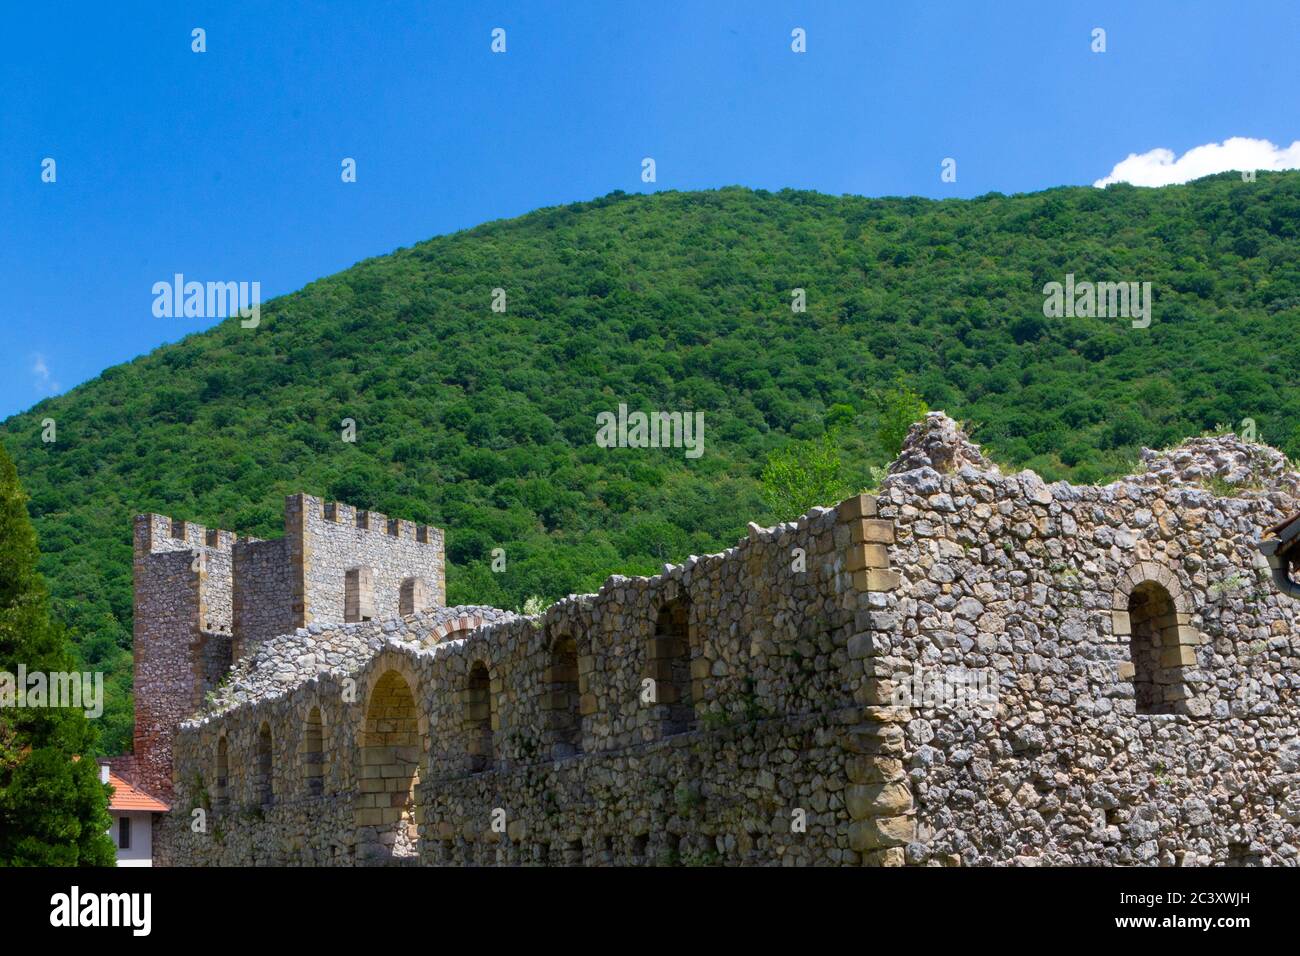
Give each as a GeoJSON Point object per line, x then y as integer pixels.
{"type": "Point", "coordinates": [1159, 168]}
{"type": "Point", "coordinates": [41, 378]}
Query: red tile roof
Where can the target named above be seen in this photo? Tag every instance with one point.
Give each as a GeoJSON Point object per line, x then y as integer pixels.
{"type": "Point", "coordinates": [127, 797]}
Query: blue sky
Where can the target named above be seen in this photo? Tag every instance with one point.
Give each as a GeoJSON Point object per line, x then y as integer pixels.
{"type": "Point", "coordinates": [225, 165]}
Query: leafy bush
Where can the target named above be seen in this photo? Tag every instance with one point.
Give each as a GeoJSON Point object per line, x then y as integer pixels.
{"type": "Point", "coordinates": [804, 474]}
{"type": "Point", "coordinates": [900, 407]}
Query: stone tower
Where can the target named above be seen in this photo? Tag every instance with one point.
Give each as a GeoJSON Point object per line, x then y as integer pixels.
{"type": "Point", "coordinates": [206, 598]}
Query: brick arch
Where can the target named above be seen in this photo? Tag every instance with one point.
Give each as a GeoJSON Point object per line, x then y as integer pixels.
{"type": "Point", "coordinates": [393, 659]}
{"type": "Point", "coordinates": [391, 744]}
{"type": "Point", "coordinates": [455, 628]}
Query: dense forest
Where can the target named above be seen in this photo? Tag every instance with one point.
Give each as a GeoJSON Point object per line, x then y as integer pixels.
{"type": "Point", "coordinates": [483, 422]}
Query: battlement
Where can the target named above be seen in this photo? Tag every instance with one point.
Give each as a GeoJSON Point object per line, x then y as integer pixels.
{"type": "Point", "coordinates": [322, 538]}
{"type": "Point", "coordinates": [206, 597]}
{"type": "Point", "coordinates": [158, 534]}
{"type": "Point", "coordinates": [345, 515]}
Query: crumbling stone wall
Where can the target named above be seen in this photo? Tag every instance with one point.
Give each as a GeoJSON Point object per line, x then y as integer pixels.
{"type": "Point", "coordinates": [770, 705]}
{"type": "Point", "coordinates": [1038, 584]}
{"type": "Point", "coordinates": [769, 767]}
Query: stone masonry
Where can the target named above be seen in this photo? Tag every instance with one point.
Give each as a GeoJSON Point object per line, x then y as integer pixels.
{"type": "Point", "coordinates": [963, 668]}
{"type": "Point", "coordinates": [206, 598]}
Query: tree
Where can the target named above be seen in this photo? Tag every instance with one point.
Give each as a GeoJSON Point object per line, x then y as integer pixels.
{"type": "Point", "coordinates": [1292, 445]}
{"type": "Point", "coordinates": [804, 474]}
{"type": "Point", "coordinates": [53, 809]}
{"type": "Point", "coordinates": [900, 407]}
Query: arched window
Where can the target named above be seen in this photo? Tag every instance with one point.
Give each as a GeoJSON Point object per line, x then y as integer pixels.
{"type": "Point", "coordinates": [358, 594]}
{"type": "Point", "coordinates": [561, 703]}
{"type": "Point", "coordinates": [413, 597]}
{"type": "Point", "coordinates": [313, 754]}
{"type": "Point", "coordinates": [1158, 657]}
{"type": "Point", "coordinates": [263, 788]}
{"type": "Point", "coordinates": [668, 663]}
{"type": "Point", "coordinates": [480, 715]}
{"type": "Point", "coordinates": [223, 774]}
{"type": "Point", "coordinates": [391, 747]}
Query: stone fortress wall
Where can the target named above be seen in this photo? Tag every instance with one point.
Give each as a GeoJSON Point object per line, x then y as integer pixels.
{"type": "Point", "coordinates": [705, 714]}
{"type": "Point", "coordinates": [205, 598]}
{"type": "Point", "coordinates": [1146, 668]}
{"type": "Point", "coordinates": [772, 704]}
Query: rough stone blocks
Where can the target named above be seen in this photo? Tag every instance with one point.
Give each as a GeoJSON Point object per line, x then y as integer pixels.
{"type": "Point", "coordinates": [859, 506]}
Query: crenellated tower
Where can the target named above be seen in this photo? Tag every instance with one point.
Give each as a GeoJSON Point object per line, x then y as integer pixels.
{"type": "Point", "coordinates": [182, 632]}
{"type": "Point", "coordinates": [205, 598]}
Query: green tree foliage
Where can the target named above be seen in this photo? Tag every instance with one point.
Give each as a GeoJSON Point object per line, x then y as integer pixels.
{"type": "Point", "coordinates": [53, 809]}
{"type": "Point", "coordinates": [804, 474]}
{"type": "Point", "coordinates": [483, 422]}
{"type": "Point", "coordinates": [900, 407]}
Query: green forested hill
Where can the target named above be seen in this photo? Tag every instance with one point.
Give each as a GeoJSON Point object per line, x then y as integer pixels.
{"type": "Point", "coordinates": [484, 423]}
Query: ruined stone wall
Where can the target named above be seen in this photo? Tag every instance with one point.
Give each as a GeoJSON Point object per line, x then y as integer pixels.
{"type": "Point", "coordinates": [1035, 584]}
{"type": "Point", "coordinates": [773, 704]}
{"type": "Point", "coordinates": [575, 743]}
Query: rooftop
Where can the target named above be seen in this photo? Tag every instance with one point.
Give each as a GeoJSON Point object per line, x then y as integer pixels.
{"type": "Point", "coordinates": [127, 797]}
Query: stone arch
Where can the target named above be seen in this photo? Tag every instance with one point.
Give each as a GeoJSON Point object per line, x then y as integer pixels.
{"type": "Point", "coordinates": [1151, 611]}
{"type": "Point", "coordinates": [455, 628]}
{"type": "Point", "coordinates": [480, 717]}
{"type": "Point", "coordinates": [1160, 574]}
{"type": "Point", "coordinates": [263, 768]}
{"type": "Point", "coordinates": [393, 738]}
{"type": "Point", "coordinates": [668, 664]}
{"type": "Point", "coordinates": [561, 701]}
{"type": "Point", "coordinates": [221, 788]}
{"type": "Point", "coordinates": [313, 753]}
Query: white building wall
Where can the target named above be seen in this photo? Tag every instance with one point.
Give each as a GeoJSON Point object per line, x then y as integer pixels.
{"type": "Point", "coordinates": [140, 852]}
